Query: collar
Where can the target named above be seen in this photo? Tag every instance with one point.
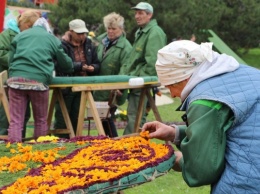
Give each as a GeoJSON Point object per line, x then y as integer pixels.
{"type": "Point", "coordinates": [105, 41]}
{"type": "Point", "coordinates": [148, 26]}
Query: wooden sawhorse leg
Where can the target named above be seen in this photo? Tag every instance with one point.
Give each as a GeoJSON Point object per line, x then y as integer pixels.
{"type": "Point", "coordinates": [3, 98]}
{"type": "Point", "coordinates": [87, 96]}
{"type": "Point", "coordinates": [57, 95]}
{"type": "Point", "coordinates": [153, 106]}
{"type": "Point", "coordinates": [5, 104]}
{"type": "Point", "coordinates": [145, 92]}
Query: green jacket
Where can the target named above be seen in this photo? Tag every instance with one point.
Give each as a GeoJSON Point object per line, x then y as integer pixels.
{"type": "Point", "coordinates": [111, 63]}
{"type": "Point", "coordinates": [203, 142]}
{"type": "Point", "coordinates": [33, 53]}
{"type": "Point", "coordinates": [142, 59]}
{"type": "Point", "coordinates": [6, 38]}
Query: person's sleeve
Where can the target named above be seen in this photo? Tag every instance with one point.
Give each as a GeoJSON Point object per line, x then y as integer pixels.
{"type": "Point", "coordinates": [155, 42]}
{"type": "Point", "coordinates": [77, 66]}
{"type": "Point", "coordinates": [204, 145]}
{"type": "Point", "coordinates": [4, 57]}
{"type": "Point", "coordinates": [5, 41]}
{"type": "Point", "coordinates": [123, 58]}
{"type": "Point", "coordinates": [124, 54]}
{"type": "Point", "coordinates": [64, 62]}
{"type": "Point", "coordinates": [181, 135]}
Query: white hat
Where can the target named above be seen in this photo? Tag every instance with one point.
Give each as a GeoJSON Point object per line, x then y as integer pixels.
{"type": "Point", "coordinates": [78, 26]}
{"type": "Point", "coordinates": [178, 60]}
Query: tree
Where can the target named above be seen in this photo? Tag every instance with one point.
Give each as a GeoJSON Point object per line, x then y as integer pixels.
{"type": "Point", "coordinates": [177, 18]}
{"type": "Point", "coordinates": [237, 22]}
{"type": "Point", "coordinates": [182, 18]}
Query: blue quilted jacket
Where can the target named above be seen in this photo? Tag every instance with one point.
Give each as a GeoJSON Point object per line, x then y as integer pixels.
{"type": "Point", "coordinates": [240, 90]}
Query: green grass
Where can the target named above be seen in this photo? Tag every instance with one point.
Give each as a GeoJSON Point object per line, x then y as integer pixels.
{"type": "Point", "coordinates": [171, 183]}
{"type": "Point", "coordinates": [252, 57]}
{"type": "Point", "coordinates": [168, 112]}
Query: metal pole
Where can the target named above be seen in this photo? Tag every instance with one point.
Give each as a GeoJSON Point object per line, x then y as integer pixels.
{"type": "Point", "coordinates": [2, 15]}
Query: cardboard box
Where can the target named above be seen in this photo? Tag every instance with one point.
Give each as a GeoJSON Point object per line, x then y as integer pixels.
{"type": "Point", "coordinates": [102, 108]}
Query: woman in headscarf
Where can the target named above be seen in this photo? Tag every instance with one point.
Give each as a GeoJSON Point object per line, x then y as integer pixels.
{"type": "Point", "coordinates": [219, 146]}
{"type": "Point", "coordinates": [31, 67]}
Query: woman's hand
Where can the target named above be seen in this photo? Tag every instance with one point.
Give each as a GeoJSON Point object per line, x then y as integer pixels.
{"type": "Point", "coordinates": [159, 130]}
{"type": "Point", "coordinates": [66, 36]}
{"type": "Point", "coordinates": [88, 68]}
{"type": "Point", "coordinates": [164, 132]}
{"type": "Point", "coordinates": [177, 166]}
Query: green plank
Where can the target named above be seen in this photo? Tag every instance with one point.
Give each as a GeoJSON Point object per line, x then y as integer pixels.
{"type": "Point", "coordinates": [222, 47]}
{"type": "Point", "coordinates": [99, 79]}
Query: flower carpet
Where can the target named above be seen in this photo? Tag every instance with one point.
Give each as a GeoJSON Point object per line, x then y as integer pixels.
{"type": "Point", "coordinates": [89, 164]}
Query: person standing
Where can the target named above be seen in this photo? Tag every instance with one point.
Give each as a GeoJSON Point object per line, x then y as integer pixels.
{"type": "Point", "coordinates": [23, 22]}
{"type": "Point", "coordinates": [149, 38]}
{"type": "Point", "coordinates": [113, 49]}
{"type": "Point", "coordinates": [84, 56]}
{"type": "Point", "coordinates": [32, 56]}
{"type": "Point", "coordinates": [219, 146]}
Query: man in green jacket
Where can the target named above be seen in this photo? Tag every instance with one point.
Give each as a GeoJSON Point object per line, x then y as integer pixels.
{"type": "Point", "coordinates": [149, 38]}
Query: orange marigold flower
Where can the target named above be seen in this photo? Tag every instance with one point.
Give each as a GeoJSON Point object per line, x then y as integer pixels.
{"type": "Point", "coordinates": [23, 149]}
{"type": "Point", "coordinates": [144, 134]}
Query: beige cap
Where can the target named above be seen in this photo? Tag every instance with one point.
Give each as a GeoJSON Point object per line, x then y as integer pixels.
{"type": "Point", "coordinates": [78, 26]}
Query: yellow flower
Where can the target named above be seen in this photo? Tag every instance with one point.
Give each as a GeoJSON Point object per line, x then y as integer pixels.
{"type": "Point", "coordinates": [8, 145]}
{"type": "Point", "coordinates": [47, 138]}
{"type": "Point", "coordinates": [13, 151]}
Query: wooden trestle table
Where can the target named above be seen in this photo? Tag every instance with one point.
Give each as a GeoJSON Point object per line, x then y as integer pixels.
{"type": "Point", "coordinates": [86, 85]}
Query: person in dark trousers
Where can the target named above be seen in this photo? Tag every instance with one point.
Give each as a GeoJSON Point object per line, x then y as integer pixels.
{"type": "Point", "coordinates": [32, 56]}
{"type": "Point", "coordinates": [84, 56]}
{"type": "Point", "coordinates": [23, 22]}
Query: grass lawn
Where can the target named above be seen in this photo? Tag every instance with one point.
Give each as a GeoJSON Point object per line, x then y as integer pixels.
{"type": "Point", "coordinates": [252, 57]}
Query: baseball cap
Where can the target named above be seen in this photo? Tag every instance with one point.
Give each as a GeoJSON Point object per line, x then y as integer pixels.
{"type": "Point", "coordinates": [144, 6]}
{"type": "Point", "coordinates": [78, 26]}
